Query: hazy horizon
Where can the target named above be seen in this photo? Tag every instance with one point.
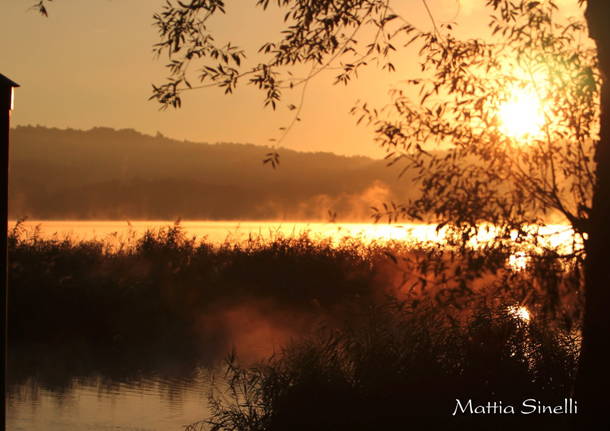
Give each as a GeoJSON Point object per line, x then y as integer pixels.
{"type": "Point", "coordinates": [99, 68]}
{"type": "Point", "coordinates": [158, 134]}
{"type": "Point", "coordinates": [107, 174]}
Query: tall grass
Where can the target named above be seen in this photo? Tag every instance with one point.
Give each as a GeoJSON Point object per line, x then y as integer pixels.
{"type": "Point", "coordinates": [156, 296]}
{"type": "Point", "coordinates": [377, 334]}
{"type": "Point", "coordinates": [402, 368]}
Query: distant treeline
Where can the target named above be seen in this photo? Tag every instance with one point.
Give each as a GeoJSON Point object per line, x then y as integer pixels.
{"type": "Point", "coordinates": [104, 173]}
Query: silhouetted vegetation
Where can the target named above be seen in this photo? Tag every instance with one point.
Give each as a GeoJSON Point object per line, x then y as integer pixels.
{"type": "Point", "coordinates": [365, 346]}
{"type": "Point", "coordinates": [164, 295]}
{"type": "Point", "coordinates": [395, 365]}
{"type": "Point", "coordinates": [455, 103]}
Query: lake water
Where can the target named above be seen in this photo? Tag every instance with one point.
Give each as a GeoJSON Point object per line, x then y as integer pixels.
{"type": "Point", "coordinates": [161, 401]}
{"type": "Point", "coordinates": [152, 403]}
{"type": "Point", "coordinates": [235, 231]}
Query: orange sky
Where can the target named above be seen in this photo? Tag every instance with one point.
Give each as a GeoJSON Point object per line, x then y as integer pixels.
{"type": "Point", "coordinates": [91, 64]}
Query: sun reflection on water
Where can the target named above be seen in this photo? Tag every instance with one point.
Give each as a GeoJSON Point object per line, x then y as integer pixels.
{"type": "Point", "coordinates": [558, 237]}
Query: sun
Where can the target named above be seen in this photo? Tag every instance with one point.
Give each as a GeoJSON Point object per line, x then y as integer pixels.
{"type": "Point", "coordinates": [521, 116]}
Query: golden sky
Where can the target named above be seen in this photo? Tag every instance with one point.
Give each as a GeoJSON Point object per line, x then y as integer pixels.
{"type": "Point", "coordinates": [91, 64]}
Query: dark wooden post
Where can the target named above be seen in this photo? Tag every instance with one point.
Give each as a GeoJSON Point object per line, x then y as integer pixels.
{"type": "Point", "coordinates": [6, 105]}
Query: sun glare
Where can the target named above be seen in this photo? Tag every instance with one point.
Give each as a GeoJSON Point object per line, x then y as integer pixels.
{"type": "Point", "coordinates": [520, 312]}
{"type": "Point", "coordinates": [521, 115]}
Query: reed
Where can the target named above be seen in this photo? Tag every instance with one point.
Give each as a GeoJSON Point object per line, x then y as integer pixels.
{"type": "Point", "coordinates": [400, 368]}
{"type": "Point", "coordinates": [377, 333]}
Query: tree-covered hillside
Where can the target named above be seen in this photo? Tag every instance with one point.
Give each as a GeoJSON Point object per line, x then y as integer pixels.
{"type": "Point", "coordinates": [116, 174]}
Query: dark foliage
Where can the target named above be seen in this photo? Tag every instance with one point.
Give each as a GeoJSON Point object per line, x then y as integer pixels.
{"type": "Point", "coordinates": [154, 299]}
{"type": "Point", "coordinates": [372, 348]}
{"type": "Point", "coordinates": [396, 367]}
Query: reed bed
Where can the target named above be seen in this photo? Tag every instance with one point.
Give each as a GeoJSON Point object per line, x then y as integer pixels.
{"type": "Point", "coordinates": [371, 335]}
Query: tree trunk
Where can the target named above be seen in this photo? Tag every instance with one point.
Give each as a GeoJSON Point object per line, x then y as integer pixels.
{"type": "Point", "coordinates": [593, 384]}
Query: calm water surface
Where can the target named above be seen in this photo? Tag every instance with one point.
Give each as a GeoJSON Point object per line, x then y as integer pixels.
{"type": "Point", "coordinates": [217, 232]}
{"type": "Point", "coordinates": [233, 231]}
{"type": "Point", "coordinates": [153, 403]}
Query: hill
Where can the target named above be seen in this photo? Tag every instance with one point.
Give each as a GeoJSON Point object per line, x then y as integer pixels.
{"type": "Point", "coordinates": [104, 173]}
